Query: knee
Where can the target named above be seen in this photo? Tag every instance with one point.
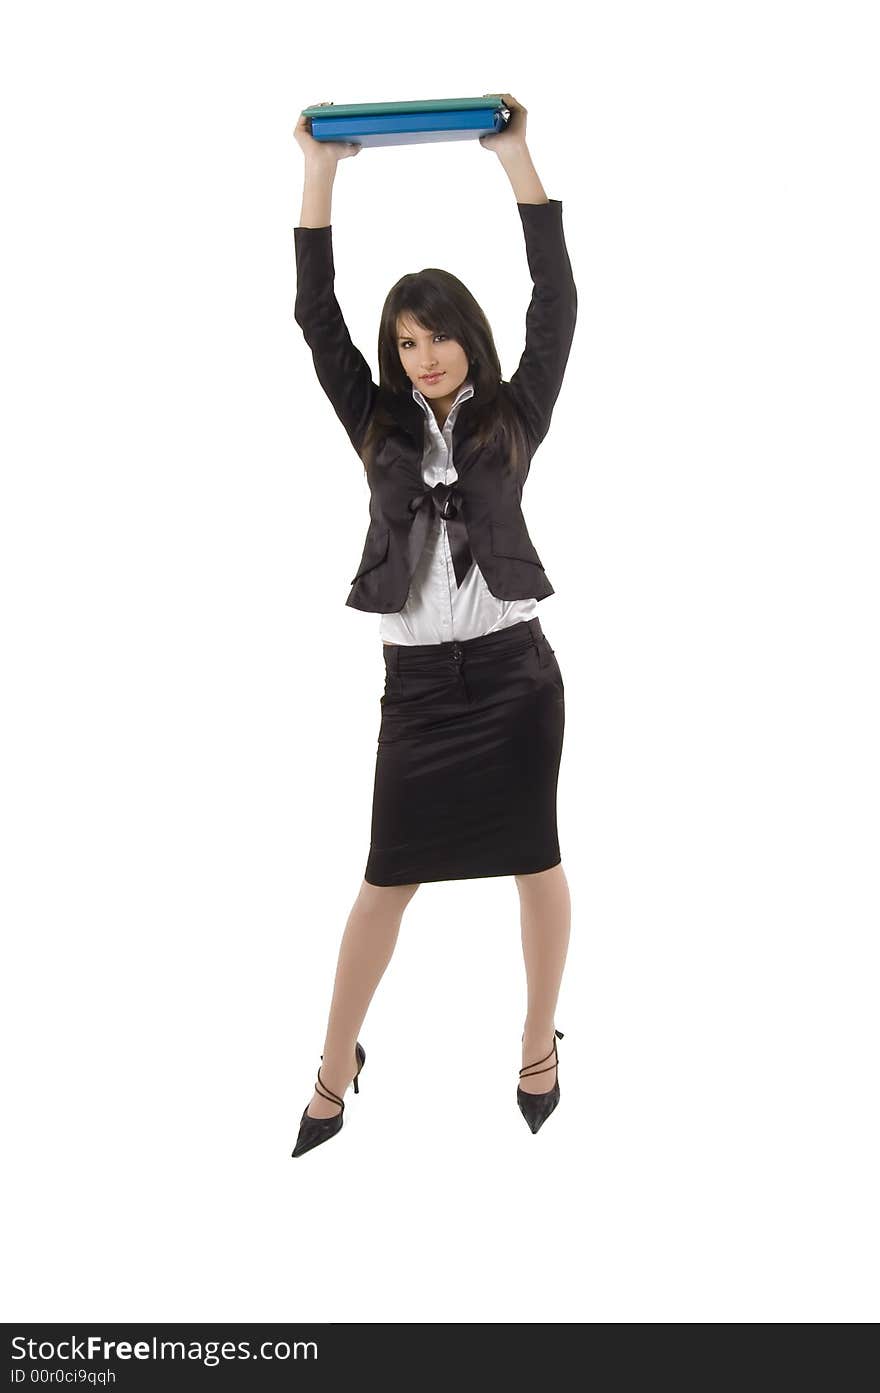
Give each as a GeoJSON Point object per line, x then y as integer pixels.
{"type": "Point", "coordinates": [550, 878]}
{"type": "Point", "coordinates": [389, 898]}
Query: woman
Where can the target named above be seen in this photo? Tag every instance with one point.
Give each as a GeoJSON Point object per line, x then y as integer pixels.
{"type": "Point", "coordinates": [473, 710]}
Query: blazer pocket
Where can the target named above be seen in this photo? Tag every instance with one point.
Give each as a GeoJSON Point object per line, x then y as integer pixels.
{"type": "Point", "coordinates": [375, 550]}
{"type": "Point", "coordinates": [511, 540]}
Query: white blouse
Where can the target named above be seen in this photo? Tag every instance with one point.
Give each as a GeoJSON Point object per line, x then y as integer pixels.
{"type": "Point", "coordinates": [436, 609]}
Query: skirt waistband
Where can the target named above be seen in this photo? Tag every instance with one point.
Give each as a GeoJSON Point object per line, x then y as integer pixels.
{"type": "Point", "coordinates": [507, 640]}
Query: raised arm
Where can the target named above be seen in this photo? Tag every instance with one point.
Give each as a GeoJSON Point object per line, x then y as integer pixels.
{"type": "Point", "coordinates": [341, 368]}
{"type": "Point", "coordinates": [552, 311]}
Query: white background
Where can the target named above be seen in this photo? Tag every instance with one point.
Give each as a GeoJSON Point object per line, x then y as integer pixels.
{"type": "Point", "coordinates": [190, 710]}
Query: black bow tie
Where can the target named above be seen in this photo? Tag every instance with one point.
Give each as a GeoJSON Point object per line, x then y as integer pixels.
{"type": "Point", "coordinates": [448, 502]}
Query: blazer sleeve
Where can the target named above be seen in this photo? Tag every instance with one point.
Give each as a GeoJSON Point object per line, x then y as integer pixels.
{"type": "Point", "coordinates": [342, 370]}
{"type": "Point", "coordinates": [550, 318]}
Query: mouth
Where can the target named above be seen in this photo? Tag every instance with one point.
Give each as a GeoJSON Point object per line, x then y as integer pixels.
{"type": "Point", "coordinates": [434, 377]}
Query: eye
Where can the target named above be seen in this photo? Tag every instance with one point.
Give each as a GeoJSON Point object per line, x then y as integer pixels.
{"type": "Point", "coordinates": [405, 343]}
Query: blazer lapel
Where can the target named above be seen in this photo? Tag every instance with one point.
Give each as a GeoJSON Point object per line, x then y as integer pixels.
{"type": "Point", "coordinates": [410, 417]}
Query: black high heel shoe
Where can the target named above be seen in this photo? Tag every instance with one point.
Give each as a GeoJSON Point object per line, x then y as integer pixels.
{"type": "Point", "coordinates": [314, 1130]}
{"type": "Point", "coordinates": [537, 1107]}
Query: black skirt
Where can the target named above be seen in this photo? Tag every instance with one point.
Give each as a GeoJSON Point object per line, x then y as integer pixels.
{"type": "Point", "coordinates": [468, 756]}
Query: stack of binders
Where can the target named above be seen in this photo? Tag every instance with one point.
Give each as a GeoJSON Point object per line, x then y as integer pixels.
{"type": "Point", "coordinates": [409, 123]}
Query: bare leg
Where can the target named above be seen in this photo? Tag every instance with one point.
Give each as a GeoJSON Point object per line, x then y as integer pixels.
{"type": "Point", "coordinates": [365, 952]}
{"type": "Point", "coordinates": [545, 919]}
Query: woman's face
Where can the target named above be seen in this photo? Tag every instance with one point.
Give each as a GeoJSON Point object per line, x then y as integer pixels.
{"type": "Point", "coordinates": [423, 352]}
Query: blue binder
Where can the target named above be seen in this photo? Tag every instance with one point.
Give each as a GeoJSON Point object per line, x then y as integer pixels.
{"type": "Point", "coordinates": [409, 123]}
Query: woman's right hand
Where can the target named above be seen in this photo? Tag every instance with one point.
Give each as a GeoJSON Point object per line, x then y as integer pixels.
{"type": "Point", "coordinates": [322, 152]}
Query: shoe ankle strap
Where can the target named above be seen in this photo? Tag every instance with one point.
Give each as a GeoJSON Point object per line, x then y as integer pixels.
{"type": "Point", "coordinates": [534, 1068]}
{"type": "Point", "coordinates": [328, 1092]}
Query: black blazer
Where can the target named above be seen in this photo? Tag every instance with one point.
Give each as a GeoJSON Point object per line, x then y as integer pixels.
{"type": "Point", "coordinates": [483, 508]}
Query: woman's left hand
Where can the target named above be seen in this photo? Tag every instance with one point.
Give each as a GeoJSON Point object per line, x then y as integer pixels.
{"type": "Point", "coordinates": [513, 137]}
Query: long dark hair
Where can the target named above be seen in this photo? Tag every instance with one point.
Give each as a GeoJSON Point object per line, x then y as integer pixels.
{"type": "Point", "coordinates": [443, 304]}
